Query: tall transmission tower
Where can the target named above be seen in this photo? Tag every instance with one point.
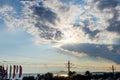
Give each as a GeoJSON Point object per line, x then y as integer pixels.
{"type": "Point", "coordinates": [113, 71]}
{"type": "Point", "coordinates": [69, 66]}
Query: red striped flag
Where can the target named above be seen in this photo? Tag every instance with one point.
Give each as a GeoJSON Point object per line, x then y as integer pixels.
{"type": "Point", "coordinates": [20, 71]}
{"type": "Point", "coordinates": [3, 72]}
{"type": "Point", "coordinates": [14, 71]}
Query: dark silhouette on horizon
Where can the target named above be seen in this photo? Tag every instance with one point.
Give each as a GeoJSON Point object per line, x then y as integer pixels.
{"type": "Point", "coordinates": [87, 76]}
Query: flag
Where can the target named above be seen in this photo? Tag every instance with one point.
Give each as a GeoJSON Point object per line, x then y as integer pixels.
{"type": "Point", "coordinates": [3, 72]}
{"type": "Point", "coordinates": [10, 72]}
{"type": "Point", "coordinates": [20, 71]}
{"type": "Point", "coordinates": [14, 71]}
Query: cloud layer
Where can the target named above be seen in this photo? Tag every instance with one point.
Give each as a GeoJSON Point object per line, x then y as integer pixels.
{"type": "Point", "coordinates": [51, 21]}
{"type": "Point", "coordinates": [109, 52]}
{"type": "Point", "coordinates": [72, 22]}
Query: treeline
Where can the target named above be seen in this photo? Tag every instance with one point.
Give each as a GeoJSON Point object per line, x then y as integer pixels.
{"type": "Point", "coordinates": [75, 76]}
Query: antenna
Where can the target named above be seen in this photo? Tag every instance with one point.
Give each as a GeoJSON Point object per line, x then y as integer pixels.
{"type": "Point", "coordinates": [113, 69]}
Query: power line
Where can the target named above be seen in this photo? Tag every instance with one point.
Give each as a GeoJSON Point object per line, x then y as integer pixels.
{"type": "Point", "coordinates": [60, 65]}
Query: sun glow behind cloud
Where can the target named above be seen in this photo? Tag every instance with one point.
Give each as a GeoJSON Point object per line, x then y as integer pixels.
{"type": "Point", "coordinates": [72, 36]}
{"type": "Point", "coordinates": [69, 23]}
{"type": "Point", "coordinates": [83, 25]}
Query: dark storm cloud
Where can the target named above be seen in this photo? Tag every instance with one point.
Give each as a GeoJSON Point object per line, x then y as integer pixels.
{"type": "Point", "coordinates": [89, 32]}
{"type": "Point", "coordinates": [48, 32]}
{"type": "Point", "coordinates": [45, 14]}
{"type": "Point", "coordinates": [45, 18]}
{"type": "Point", "coordinates": [114, 23]}
{"type": "Point", "coordinates": [86, 29]}
{"type": "Point", "coordinates": [107, 4]}
{"type": "Point", "coordinates": [96, 50]}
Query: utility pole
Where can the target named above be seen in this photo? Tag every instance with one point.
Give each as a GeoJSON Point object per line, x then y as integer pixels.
{"type": "Point", "coordinates": [113, 71]}
{"type": "Point", "coordinates": [69, 68]}
{"type": "Point", "coordinates": [69, 71]}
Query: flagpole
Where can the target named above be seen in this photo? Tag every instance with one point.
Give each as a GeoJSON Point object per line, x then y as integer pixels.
{"type": "Point", "coordinates": [7, 72]}
{"type": "Point", "coordinates": [10, 72]}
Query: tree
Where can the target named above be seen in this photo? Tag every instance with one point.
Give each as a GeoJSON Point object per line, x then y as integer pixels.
{"type": "Point", "coordinates": [87, 73]}
{"type": "Point", "coordinates": [71, 73]}
{"type": "Point", "coordinates": [48, 76]}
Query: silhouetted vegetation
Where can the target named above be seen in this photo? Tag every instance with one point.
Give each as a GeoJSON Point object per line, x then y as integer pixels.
{"type": "Point", "coordinates": [87, 76]}
{"type": "Point", "coordinates": [29, 78]}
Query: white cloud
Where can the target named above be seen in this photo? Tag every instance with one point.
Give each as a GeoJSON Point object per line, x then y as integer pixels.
{"type": "Point", "coordinates": [106, 37]}
{"type": "Point", "coordinates": [67, 14]}
{"type": "Point", "coordinates": [65, 23]}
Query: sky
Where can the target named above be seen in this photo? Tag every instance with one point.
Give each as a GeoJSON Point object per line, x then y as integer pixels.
{"type": "Point", "coordinates": [42, 35]}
